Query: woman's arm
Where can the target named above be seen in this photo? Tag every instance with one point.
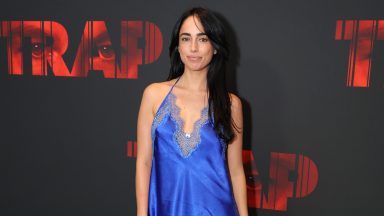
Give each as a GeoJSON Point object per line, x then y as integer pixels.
{"type": "Point", "coordinates": [235, 161]}
{"type": "Point", "coordinates": [144, 149]}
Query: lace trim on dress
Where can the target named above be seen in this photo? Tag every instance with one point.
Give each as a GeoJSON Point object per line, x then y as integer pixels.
{"type": "Point", "coordinates": [162, 112]}
{"type": "Point", "coordinates": [187, 143]}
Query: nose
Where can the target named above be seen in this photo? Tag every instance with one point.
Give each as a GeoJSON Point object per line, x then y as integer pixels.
{"type": "Point", "coordinates": [194, 46]}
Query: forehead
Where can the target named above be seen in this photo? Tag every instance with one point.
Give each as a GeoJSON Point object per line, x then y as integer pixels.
{"type": "Point", "coordinates": [192, 25]}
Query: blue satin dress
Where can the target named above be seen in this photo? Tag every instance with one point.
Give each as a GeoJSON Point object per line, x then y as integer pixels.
{"type": "Point", "coordinates": [189, 174]}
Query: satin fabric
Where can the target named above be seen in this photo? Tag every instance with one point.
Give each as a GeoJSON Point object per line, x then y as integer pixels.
{"type": "Point", "coordinates": [193, 184]}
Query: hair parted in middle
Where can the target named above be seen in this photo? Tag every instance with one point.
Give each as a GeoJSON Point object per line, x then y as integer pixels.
{"type": "Point", "coordinates": [219, 102]}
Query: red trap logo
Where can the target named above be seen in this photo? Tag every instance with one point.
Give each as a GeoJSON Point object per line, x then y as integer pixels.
{"type": "Point", "coordinates": [362, 35]}
{"type": "Point", "coordinates": [48, 43]}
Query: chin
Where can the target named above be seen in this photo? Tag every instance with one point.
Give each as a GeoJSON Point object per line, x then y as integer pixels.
{"type": "Point", "coordinates": [197, 68]}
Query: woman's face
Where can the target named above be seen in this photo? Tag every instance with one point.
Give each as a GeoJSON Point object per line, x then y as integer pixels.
{"type": "Point", "coordinates": [195, 48]}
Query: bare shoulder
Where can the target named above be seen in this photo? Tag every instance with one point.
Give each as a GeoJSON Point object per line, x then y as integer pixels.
{"type": "Point", "coordinates": [235, 102]}
{"type": "Point", "coordinates": [155, 93]}
{"type": "Point", "coordinates": [156, 90]}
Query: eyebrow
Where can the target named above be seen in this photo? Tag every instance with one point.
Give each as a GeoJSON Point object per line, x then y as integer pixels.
{"type": "Point", "coordinates": [101, 36]}
{"type": "Point", "coordinates": [188, 34]}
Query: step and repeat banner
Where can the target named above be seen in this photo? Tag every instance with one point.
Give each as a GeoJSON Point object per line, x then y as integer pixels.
{"type": "Point", "coordinates": [310, 75]}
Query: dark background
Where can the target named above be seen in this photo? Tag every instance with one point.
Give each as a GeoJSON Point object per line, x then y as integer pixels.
{"type": "Point", "coordinates": [63, 140]}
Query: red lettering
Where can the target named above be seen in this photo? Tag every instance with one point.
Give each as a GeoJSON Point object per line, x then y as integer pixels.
{"type": "Point", "coordinates": [308, 176]}
{"type": "Point", "coordinates": [95, 52]}
{"type": "Point", "coordinates": [131, 148]}
{"type": "Point", "coordinates": [253, 180]}
{"type": "Point", "coordinates": [280, 187]}
{"type": "Point", "coordinates": [362, 34]}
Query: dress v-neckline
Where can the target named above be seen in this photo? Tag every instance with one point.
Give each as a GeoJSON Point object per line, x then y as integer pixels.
{"type": "Point", "coordinates": [177, 115]}
{"type": "Point", "coordinates": [187, 142]}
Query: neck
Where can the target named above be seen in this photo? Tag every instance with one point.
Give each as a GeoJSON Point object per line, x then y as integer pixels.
{"type": "Point", "coordinates": [194, 80]}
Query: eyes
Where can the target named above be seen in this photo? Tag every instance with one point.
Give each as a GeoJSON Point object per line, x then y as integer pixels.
{"type": "Point", "coordinates": [203, 39]}
{"type": "Point", "coordinates": [106, 52]}
{"type": "Point", "coordinates": [38, 49]}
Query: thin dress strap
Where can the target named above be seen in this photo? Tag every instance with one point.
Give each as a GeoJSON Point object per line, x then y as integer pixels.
{"type": "Point", "coordinates": [174, 84]}
{"type": "Point", "coordinates": [160, 111]}
{"type": "Point", "coordinates": [166, 97]}
{"type": "Point", "coordinates": [170, 90]}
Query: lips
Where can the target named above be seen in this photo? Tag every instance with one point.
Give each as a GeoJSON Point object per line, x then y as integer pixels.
{"type": "Point", "coordinates": [193, 58]}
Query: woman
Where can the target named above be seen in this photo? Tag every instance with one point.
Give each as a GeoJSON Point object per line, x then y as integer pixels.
{"type": "Point", "coordinates": [189, 132]}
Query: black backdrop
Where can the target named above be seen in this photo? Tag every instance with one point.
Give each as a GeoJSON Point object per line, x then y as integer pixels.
{"type": "Point", "coordinates": [67, 143]}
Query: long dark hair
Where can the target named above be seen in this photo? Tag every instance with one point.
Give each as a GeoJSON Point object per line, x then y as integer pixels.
{"type": "Point", "coordinates": [219, 102]}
